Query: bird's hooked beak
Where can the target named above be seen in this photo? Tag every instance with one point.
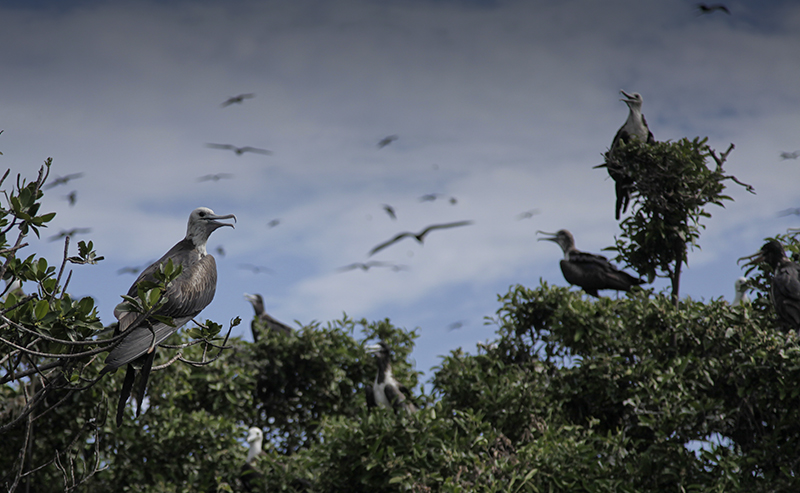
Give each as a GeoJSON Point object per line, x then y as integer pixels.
{"type": "Point", "coordinates": [553, 235]}
{"type": "Point", "coordinates": [373, 348]}
{"type": "Point", "coordinates": [753, 259]}
{"type": "Point", "coordinates": [252, 436]}
{"type": "Point", "coordinates": [215, 220]}
{"type": "Point", "coordinates": [250, 297]}
{"type": "Point", "coordinates": [629, 98]}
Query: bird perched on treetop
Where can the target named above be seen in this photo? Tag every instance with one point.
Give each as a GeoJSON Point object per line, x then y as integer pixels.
{"type": "Point", "coordinates": [634, 127]}
{"type": "Point", "coordinates": [386, 391]}
{"type": "Point", "coordinates": [263, 321]}
{"type": "Point", "coordinates": [186, 296]}
{"type": "Point", "coordinates": [785, 289]}
{"type": "Point", "coordinates": [589, 271]}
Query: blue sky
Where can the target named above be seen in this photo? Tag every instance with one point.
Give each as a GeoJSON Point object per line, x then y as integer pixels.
{"type": "Point", "coordinates": [504, 105]}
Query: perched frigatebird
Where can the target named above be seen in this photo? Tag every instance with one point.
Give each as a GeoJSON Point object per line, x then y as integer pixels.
{"type": "Point", "coordinates": [740, 286]}
{"type": "Point", "coordinates": [251, 478]}
{"type": "Point", "coordinates": [386, 391]}
{"type": "Point", "coordinates": [263, 321]}
{"type": "Point", "coordinates": [186, 297]}
{"type": "Point", "coordinates": [785, 289]}
{"type": "Point", "coordinates": [420, 237]}
{"type": "Point", "coordinates": [589, 271]}
{"type": "Point", "coordinates": [634, 127]}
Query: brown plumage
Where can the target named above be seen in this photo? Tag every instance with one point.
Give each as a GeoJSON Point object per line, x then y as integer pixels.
{"type": "Point", "coordinates": [186, 296]}
{"type": "Point", "coordinates": [263, 320]}
{"type": "Point", "coordinates": [785, 289]}
{"type": "Point", "coordinates": [589, 271]}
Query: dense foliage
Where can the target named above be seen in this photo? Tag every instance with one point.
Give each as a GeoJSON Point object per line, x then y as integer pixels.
{"type": "Point", "coordinates": [638, 393]}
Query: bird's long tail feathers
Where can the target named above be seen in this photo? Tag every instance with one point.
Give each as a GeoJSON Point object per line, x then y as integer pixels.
{"type": "Point", "coordinates": [127, 385]}
{"type": "Point", "coordinates": [143, 376]}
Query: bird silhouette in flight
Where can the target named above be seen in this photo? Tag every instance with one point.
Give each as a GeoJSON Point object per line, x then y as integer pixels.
{"type": "Point", "coordinates": [237, 99]}
{"type": "Point", "coordinates": [215, 177]}
{"type": "Point", "coordinates": [390, 210]}
{"type": "Point", "coordinates": [420, 237]}
{"type": "Point", "coordinates": [61, 180]}
{"type": "Point", "coordinates": [372, 263]}
{"type": "Point", "coordinates": [273, 223]}
{"type": "Point", "coordinates": [528, 214]}
{"type": "Point", "coordinates": [71, 197]}
{"type": "Point", "coordinates": [710, 9]}
{"type": "Point", "coordinates": [790, 155]}
{"type": "Point", "coordinates": [386, 141]}
{"type": "Point", "coordinates": [239, 150]}
{"type": "Point", "coordinates": [70, 232]}
{"type": "Point", "coordinates": [256, 269]}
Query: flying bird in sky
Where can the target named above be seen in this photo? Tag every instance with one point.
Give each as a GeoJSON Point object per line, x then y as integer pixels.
{"type": "Point", "coordinates": [589, 271]}
{"type": "Point", "coordinates": [61, 180]}
{"type": "Point", "coordinates": [390, 210]}
{"type": "Point", "coordinates": [790, 155]}
{"type": "Point", "coordinates": [386, 141]}
{"type": "Point", "coordinates": [273, 223]}
{"type": "Point", "coordinates": [215, 177]}
{"type": "Point", "coordinates": [528, 214]}
{"type": "Point", "coordinates": [710, 9]}
{"type": "Point", "coordinates": [256, 269]}
{"type": "Point", "coordinates": [790, 212]}
{"type": "Point", "coordinates": [186, 296]}
{"type": "Point", "coordinates": [237, 99]}
{"type": "Point", "coordinates": [70, 232]}
{"type": "Point", "coordinates": [420, 237]}
{"type": "Point", "coordinates": [430, 197]}
{"type": "Point", "coordinates": [72, 197]}
{"type": "Point", "coordinates": [239, 150]}
{"type": "Point", "coordinates": [372, 263]}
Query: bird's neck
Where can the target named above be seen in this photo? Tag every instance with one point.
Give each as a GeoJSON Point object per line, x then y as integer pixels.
{"type": "Point", "coordinates": [255, 450]}
{"type": "Point", "coordinates": [384, 373]}
{"type": "Point", "coordinates": [199, 243]}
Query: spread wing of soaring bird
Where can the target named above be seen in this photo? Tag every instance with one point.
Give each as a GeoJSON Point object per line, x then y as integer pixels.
{"type": "Point", "coordinates": [215, 177]}
{"type": "Point", "coordinates": [790, 155]}
{"type": "Point", "coordinates": [262, 320]}
{"type": "Point", "coordinates": [386, 391]}
{"type": "Point", "coordinates": [386, 141]}
{"type": "Point", "coordinates": [237, 99]}
{"type": "Point", "coordinates": [589, 271]}
{"type": "Point", "coordinates": [372, 263]}
{"type": "Point", "coordinates": [634, 127]}
{"type": "Point", "coordinates": [70, 232]}
{"type": "Point", "coordinates": [709, 9]}
{"type": "Point", "coordinates": [390, 210]}
{"type": "Point", "coordinates": [62, 180]}
{"type": "Point", "coordinates": [785, 289]}
{"type": "Point", "coordinates": [239, 150]}
{"type": "Point", "coordinates": [186, 297]}
{"type": "Point", "coordinates": [420, 237]}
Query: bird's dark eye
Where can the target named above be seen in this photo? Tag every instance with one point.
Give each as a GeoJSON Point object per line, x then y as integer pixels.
{"type": "Point", "coordinates": [202, 214]}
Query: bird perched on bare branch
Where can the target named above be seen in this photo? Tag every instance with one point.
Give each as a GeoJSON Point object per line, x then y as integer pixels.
{"type": "Point", "coordinates": [239, 150]}
{"type": "Point", "coordinates": [263, 320]}
{"type": "Point", "coordinates": [215, 177]}
{"type": "Point", "coordinates": [710, 9]}
{"type": "Point", "coordinates": [589, 271]}
{"type": "Point", "coordinates": [70, 232]}
{"type": "Point", "coordinates": [785, 289]}
{"type": "Point", "coordinates": [386, 391]}
{"type": "Point", "coordinates": [372, 263]}
{"type": "Point", "coordinates": [420, 237]}
{"type": "Point", "coordinates": [237, 99]}
{"type": "Point", "coordinates": [186, 296]}
{"type": "Point", "coordinates": [790, 155]}
{"type": "Point", "coordinates": [61, 180]}
{"type": "Point", "coordinates": [386, 141]}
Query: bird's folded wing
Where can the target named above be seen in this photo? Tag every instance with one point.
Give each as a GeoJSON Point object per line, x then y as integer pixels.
{"type": "Point", "coordinates": [139, 341]}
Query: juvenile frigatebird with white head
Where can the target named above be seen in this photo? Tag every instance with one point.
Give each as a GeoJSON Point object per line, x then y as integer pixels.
{"type": "Point", "coordinates": [785, 289]}
{"type": "Point", "coordinates": [386, 391]}
{"type": "Point", "coordinates": [263, 320]}
{"type": "Point", "coordinates": [741, 288]}
{"type": "Point", "coordinates": [251, 478]}
{"type": "Point", "coordinates": [634, 127]}
{"type": "Point", "coordinates": [186, 296]}
{"type": "Point", "coordinates": [589, 271]}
